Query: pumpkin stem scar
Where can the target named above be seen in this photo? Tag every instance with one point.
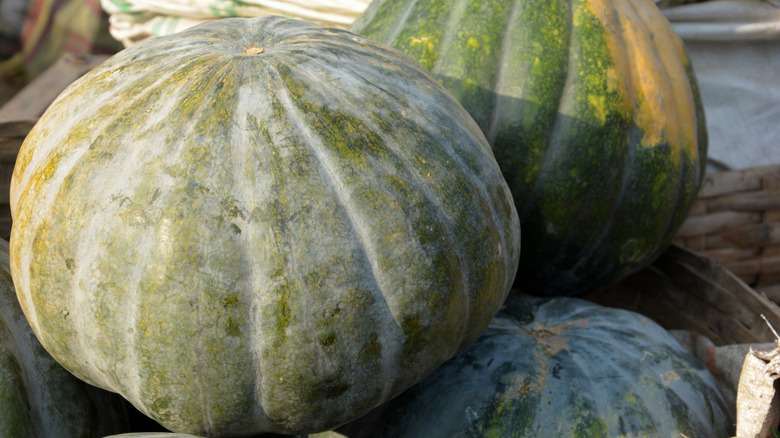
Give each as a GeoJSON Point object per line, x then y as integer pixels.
{"type": "Point", "coordinates": [254, 50]}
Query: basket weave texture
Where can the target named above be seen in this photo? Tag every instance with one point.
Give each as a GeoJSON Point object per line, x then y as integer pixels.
{"type": "Point", "coordinates": [684, 290]}
{"type": "Point", "coordinates": [736, 222]}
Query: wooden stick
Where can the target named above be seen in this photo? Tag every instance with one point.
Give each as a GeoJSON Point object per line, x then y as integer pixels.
{"type": "Point", "coordinates": [696, 243]}
{"type": "Point", "coordinates": [716, 222]}
{"type": "Point", "coordinates": [745, 201]}
{"type": "Point", "coordinates": [771, 182]}
{"type": "Point", "coordinates": [699, 207]}
{"type": "Point", "coordinates": [730, 253]}
{"type": "Point", "coordinates": [720, 183]}
{"type": "Point", "coordinates": [771, 327]}
{"type": "Point", "coordinates": [746, 236]}
{"type": "Point", "coordinates": [754, 266]}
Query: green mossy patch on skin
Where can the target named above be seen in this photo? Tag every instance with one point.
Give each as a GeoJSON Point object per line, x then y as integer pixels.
{"type": "Point", "coordinates": [599, 149]}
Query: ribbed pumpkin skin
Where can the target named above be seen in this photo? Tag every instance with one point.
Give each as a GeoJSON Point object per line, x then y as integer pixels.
{"type": "Point", "coordinates": [259, 242]}
{"type": "Point", "coordinates": [593, 113]}
{"type": "Point", "coordinates": [560, 367]}
{"type": "Point", "coordinates": [39, 398]}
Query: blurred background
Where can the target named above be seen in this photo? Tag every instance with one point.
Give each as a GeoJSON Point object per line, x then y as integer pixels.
{"type": "Point", "coordinates": [34, 34]}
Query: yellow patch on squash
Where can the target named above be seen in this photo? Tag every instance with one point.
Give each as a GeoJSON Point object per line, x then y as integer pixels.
{"type": "Point", "coordinates": [655, 82]}
{"type": "Point", "coordinates": [598, 104]}
{"type": "Point", "coordinates": [550, 337]}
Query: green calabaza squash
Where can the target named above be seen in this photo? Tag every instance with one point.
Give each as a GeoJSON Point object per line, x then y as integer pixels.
{"type": "Point", "coordinates": [560, 367]}
{"type": "Point", "coordinates": [39, 398]}
{"type": "Point", "coordinates": [259, 225]}
{"type": "Point", "coordinates": [593, 113]}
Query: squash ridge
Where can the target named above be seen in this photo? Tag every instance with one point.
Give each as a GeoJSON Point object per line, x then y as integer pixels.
{"type": "Point", "coordinates": [450, 31]}
{"type": "Point", "coordinates": [554, 132]}
{"type": "Point", "coordinates": [239, 178]}
{"type": "Point", "coordinates": [403, 17]}
{"type": "Point", "coordinates": [498, 87]}
{"type": "Point", "coordinates": [314, 145]}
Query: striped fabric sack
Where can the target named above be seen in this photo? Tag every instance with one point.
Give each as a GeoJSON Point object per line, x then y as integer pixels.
{"type": "Point", "coordinates": [136, 20]}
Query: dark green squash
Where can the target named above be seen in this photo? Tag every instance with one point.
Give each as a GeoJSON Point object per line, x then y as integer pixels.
{"type": "Point", "coordinates": [259, 225]}
{"type": "Point", "coordinates": [593, 113]}
{"type": "Point", "coordinates": [560, 367]}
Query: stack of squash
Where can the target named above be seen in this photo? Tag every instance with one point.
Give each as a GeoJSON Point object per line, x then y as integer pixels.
{"type": "Point", "coordinates": [268, 226]}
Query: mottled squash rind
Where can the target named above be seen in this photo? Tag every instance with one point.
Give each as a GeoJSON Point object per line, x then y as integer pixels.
{"type": "Point", "coordinates": [593, 113]}
{"type": "Point", "coordinates": [560, 367]}
{"type": "Point", "coordinates": [259, 243]}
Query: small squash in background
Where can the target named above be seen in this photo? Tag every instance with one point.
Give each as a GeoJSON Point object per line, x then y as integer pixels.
{"type": "Point", "coordinates": [259, 225]}
{"type": "Point", "coordinates": [39, 398]}
{"type": "Point", "coordinates": [593, 113]}
{"type": "Point", "coordinates": [560, 367]}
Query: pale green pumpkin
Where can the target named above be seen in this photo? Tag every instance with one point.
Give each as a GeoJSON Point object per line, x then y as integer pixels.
{"type": "Point", "coordinates": [259, 225]}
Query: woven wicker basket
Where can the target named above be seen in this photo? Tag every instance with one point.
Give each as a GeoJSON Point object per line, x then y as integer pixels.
{"type": "Point", "coordinates": [736, 222]}
{"type": "Point", "coordinates": [683, 290]}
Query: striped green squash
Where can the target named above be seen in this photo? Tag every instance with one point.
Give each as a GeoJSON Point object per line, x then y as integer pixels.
{"type": "Point", "coordinates": [259, 225]}
{"type": "Point", "coordinates": [593, 113]}
{"type": "Point", "coordinates": [39, 398]}
{"type": "Point", "coordinates": [560, 367]}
